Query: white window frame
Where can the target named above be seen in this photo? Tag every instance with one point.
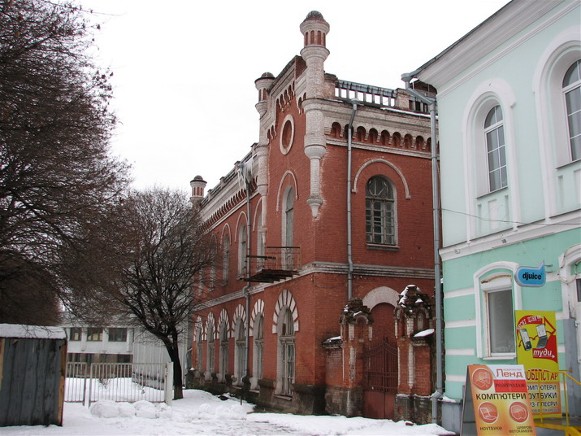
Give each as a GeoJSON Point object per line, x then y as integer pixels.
{"type": "Point", "coordinates": [566, 90]}
{"type": "Point", "coordinates": [258, 347]}
{"type": "Point", "coordinates": [224, 351]}
{"type": "Point", "coordinates": [386, 204]}
{"type": "Point", "coordinates": [495, 277]}
{"type": "Point", "coordinates": [286, 354]}
{"type": "Point", "coordinates": [497, 129]}
{"type": "Point", "coordinates": [242, 246]}
{"type": "Point", "coordinates": [240, 351]}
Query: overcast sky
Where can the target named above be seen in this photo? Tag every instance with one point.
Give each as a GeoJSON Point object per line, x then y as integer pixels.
{"type": "Point", "coordinates": [184, 70]}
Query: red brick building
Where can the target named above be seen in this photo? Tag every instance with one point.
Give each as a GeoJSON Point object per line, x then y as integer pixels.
{"type": "Point", "coordinates": [319, 229]}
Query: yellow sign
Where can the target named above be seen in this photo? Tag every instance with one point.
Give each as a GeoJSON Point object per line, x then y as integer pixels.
{"type": "Point", "coordinates": [499, 399]}
{"type": "Point", "coordinates": [536, 334]}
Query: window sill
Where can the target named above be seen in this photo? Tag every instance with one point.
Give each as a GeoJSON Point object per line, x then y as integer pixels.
{"type": "Point", "coordinates": [284, 397]}
{"type": "Point", "coordinates": [482, 196]}
{"type": "Point", "coordinates": [508, 356]}
{"type": "Point", "coordinates": [382, 247]}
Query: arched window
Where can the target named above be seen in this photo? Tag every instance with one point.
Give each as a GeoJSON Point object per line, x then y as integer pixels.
{"type": "Point", "coordinates": [572, 93]}
{"type": "Point", "coordinates": [226, 257]}
{"type": "Point", "coordinates": [380, 222]}
{"type": "Point", "coordinates": [242, 241]}
{"type": "Point", "coordinates": [258, 345]}
{"type": "Point", "coordinates": [495, 146]}
{"type": "Point", "coordinates": [223, 350]}
{"type": "Point", "coordinates": [214, 250]}
{"type": "Point", "coordinates": [287, 352]}
{"type": "Point", "coordinates": [240, 351]}
{"type": "Point", "coordinates": [199, 347]}
{"type": "Point", "coordinates": [211, 350]}
{"type": "Point", "coordinates": [287, 227]}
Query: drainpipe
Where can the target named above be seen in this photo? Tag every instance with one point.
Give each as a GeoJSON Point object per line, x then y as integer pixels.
{"type": "Point", "coordinates": [246, 290]}
{"type": "Point", "coordinates": [349, 236]}
{"type": "Point", "coordinates": [436, 217]}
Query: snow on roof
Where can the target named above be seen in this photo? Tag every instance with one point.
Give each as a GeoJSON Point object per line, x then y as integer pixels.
{"type": "Point", "coordinates": [423, 333]}
{"type": "Point", "coordinates": [31, 331]}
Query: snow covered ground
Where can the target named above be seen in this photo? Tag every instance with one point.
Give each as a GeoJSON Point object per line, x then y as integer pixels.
{"type": "Point", "coordinates": [201, 413]}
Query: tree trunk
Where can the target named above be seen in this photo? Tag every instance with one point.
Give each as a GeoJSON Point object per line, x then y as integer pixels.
{"type": "Point", "coordinates": [174, 354]}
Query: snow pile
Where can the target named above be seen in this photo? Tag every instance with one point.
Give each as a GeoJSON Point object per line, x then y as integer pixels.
{"type": "Point", "coordinates": [201, 413]}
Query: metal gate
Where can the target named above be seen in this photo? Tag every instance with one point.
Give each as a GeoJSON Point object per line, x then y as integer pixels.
{"type": "Point", "coordinates": [380, 381]}
{"type": "Point", "coordinates": [122, 382]}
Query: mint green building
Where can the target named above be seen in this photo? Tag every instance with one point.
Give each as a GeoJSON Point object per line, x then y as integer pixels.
{"type": "Point", "coordinates": [509, 113]}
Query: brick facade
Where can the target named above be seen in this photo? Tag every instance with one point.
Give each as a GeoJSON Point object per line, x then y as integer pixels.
{"type": "Point", "coordinates": [291, 191]}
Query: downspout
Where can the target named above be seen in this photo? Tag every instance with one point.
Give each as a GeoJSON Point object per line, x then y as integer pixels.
{"type": "Point", "coordinates": [436, 218]}
{"type": "Point", "coordinates": [349, 235]}
{"type": "Point", "coordinates": [246, 290]}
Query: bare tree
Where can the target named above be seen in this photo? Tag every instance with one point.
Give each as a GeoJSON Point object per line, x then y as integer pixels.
{"type": "Point", "coordinates": [56, 172]}
{"type": "Point", "coordinates": [144, 263]}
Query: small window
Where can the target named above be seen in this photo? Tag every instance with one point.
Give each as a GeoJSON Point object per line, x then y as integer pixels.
{"type": "Point", "coordinates": [500, 320]}
{"type": "Point", "coordinates": [94, 334]}
{"type": "Point", "coordinates": [75, 334]}
{"type": "Point", "coordinates": [572, 92]}
{"type": "Point", "coordinates": [380, 212]}
{"type": "Point", "coordinates": [495, 145]}
{"type": "Point", "coordinates": [117, 335]}
{"type": "Point", "coordinates": [287, 350]}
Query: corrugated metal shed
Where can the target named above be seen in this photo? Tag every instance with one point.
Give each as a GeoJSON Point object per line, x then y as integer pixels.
{"type": "Point", "coordinates": [32, 374]}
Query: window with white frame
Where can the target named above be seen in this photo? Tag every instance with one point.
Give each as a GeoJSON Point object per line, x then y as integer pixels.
{"type": "Point", "coordinates": [117, 334]}
{"type": "Point", "coordinates": [223, 350]}
{"type": "Point", "coordinates": [258, 345]}
{"type": "Point", "coordinates": [75, 334]}
{"type": "Point", "coordinates": [572, 93]}
{"type": "Point", "coordinates": [380, 211]}
{"type": "Point", "coordinates": [287, 353]}
{"type": "Point", "coordinates": [498, 315]}
{"type": "Point", "coordinates": [242, 244]}
{"type": "Point", "coordinates": [288, 227]}
{"type": "Point", "coordinates": [94, 334]}
{"type": "Point", "coordinates": [240, 350]}
{"type": "Point", "coordinates": [210, 359]}
{"type": "Point", "coordinates": [199, 349]}
{"type": "Point", "coordinates": [495, 146]}
{"type": "Point", "coordinates": [225, 256]}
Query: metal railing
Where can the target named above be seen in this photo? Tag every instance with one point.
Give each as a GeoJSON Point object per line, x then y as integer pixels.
{"type": "Point", "coordinates": [565, 425]}
{"type": "Point", "coordinates": [121, 382]}
{"type": "Point", "coordinates": [277, 263]}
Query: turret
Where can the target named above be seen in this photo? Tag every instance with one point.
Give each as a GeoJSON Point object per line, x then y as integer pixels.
{"type": "Point", "coordinates": [198, 185]}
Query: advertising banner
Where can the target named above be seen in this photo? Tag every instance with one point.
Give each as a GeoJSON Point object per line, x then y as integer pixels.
{"type": "Point", "coordinates": [536, 334]}
{"type": "Point", "coordinates": [496, 401]}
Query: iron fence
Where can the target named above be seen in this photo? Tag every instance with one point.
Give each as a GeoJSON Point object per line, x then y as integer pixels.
{"type": "Point", "coordinates": [120, 382]}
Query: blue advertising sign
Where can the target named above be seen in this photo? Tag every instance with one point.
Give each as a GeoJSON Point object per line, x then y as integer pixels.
{"type": "Point", "coordinates": [528, 276]}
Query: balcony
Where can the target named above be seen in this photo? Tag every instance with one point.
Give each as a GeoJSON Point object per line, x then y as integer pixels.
{"type": "Point", "coordinates": [277, 263]}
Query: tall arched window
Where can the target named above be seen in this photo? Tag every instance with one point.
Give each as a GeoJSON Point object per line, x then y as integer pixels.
{"type": "Point", "coordinates": [287, 226]}
{"type": "Point", "coordinates": [242, 244]}
{"type": "Point", "coordinates": [226, 257]}
{"type": "Point", "coordinates": [258, 345]}
{"type": "Point", "coordinates": [223, 350]}
{"type": "Point", "coordinates": [211, 350]}
{"type": "Point", "coordinates": [287, 353]}
{"type": "Point", "coordinates": [572, 92]}
{"type": "Point", "coordinates": [380, 223]}
{"type": "Point", "coordinates": [199, 348]}
{"type": "Point", "coordinates": [240, 350]}
{"type": "Point", "coordinates": [495, 146]}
